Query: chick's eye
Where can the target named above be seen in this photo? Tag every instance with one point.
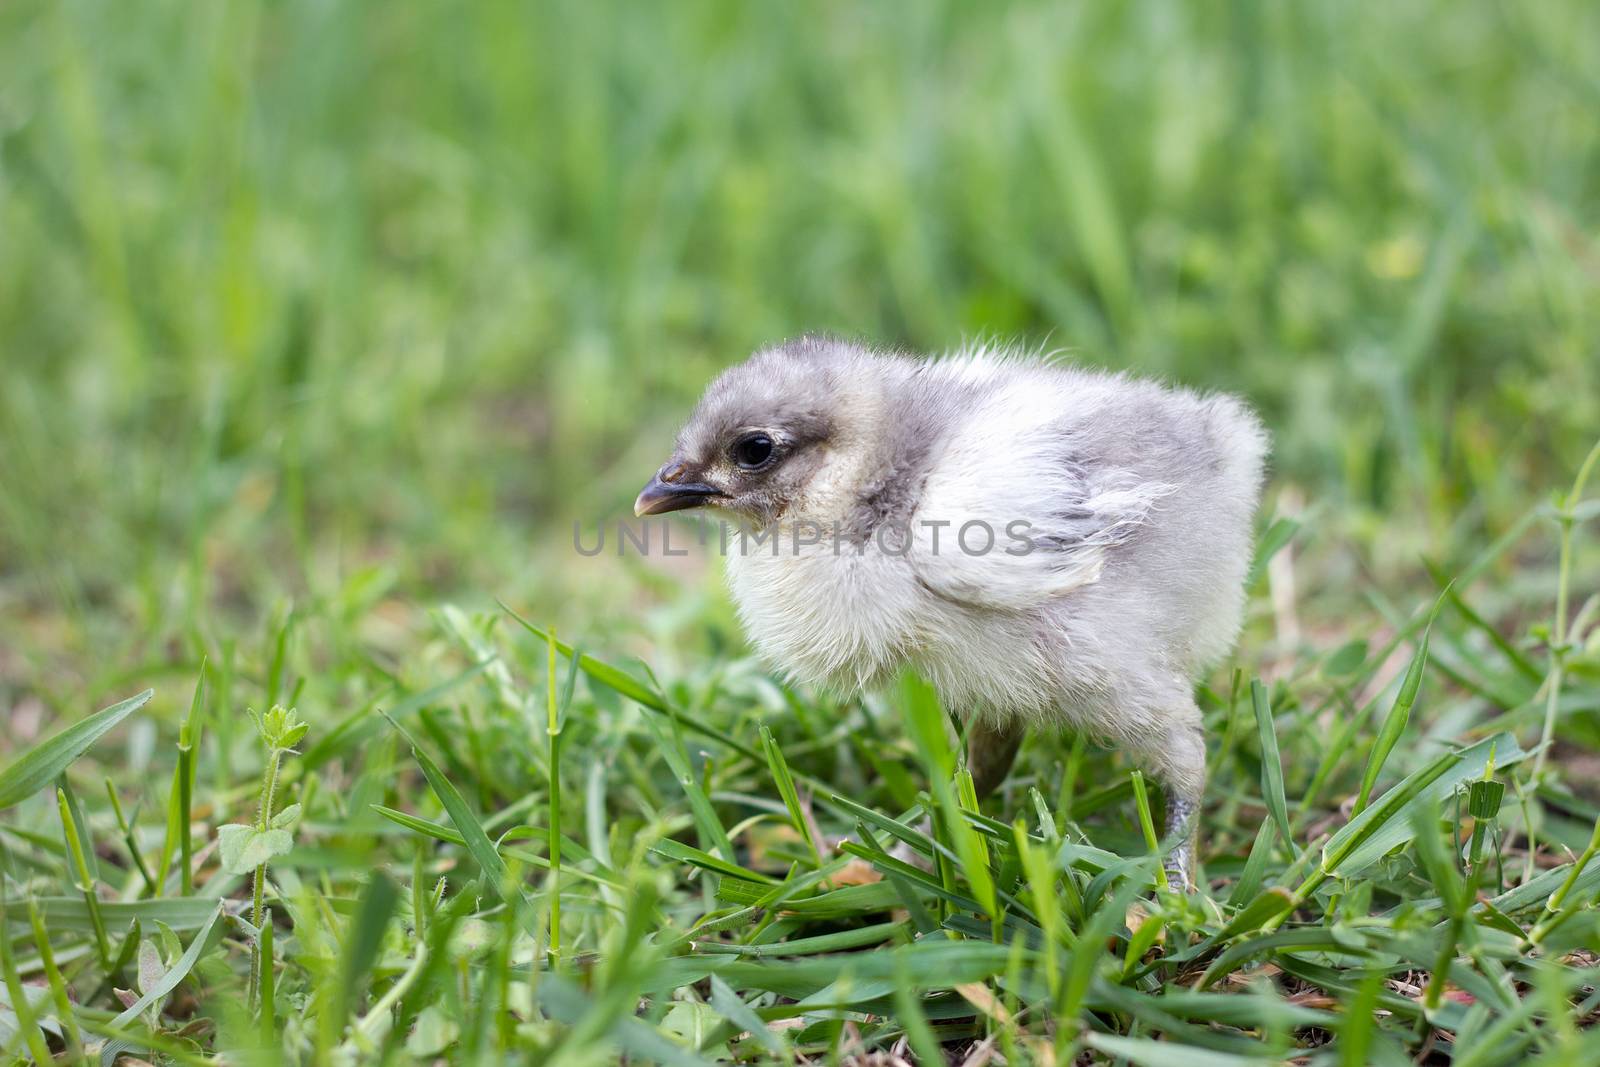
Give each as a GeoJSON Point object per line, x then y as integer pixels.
{"type": "Point", "coordinates": [752, 451]}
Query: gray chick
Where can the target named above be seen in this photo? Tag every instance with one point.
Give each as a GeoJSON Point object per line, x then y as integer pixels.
{"type": "Point", "coordinates": [1048, 545]}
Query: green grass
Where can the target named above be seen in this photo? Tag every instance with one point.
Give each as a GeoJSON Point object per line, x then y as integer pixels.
{"type": "Point", "coordinates": [320, 324]}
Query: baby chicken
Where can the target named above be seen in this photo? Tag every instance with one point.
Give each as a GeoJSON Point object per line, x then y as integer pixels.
{"type": "Point", "coordinates": [1048, 545]}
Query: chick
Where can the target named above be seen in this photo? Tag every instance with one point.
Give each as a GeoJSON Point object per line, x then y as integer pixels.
{"type": "Point", "coordinates": [1048, 545]}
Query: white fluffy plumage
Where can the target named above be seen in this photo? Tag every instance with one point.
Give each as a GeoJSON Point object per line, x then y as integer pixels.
{"type": "Point", "coordinates": [884, 476]}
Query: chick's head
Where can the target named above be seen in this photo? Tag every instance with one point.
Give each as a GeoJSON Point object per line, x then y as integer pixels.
{"type": "Point", "coordinates": [769, 438]}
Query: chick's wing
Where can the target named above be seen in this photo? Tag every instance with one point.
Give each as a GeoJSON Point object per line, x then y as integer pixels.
{"type": "Point", "coordinates": [1011, 515]}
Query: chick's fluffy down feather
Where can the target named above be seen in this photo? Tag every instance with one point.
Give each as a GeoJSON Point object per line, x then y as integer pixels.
{"type": "Point", "coordinates": [1137, 499]}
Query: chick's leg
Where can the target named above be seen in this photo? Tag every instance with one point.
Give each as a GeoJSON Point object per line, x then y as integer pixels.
{"type": "Point", "coordinates": [991, 749]}
{"type": "Point", "coordinates": [1179, 761]}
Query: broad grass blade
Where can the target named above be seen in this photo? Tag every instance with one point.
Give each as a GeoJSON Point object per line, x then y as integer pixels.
{"type": "Point", "coordinates": [1386, 825]}
{"type": "Point", "coordinates": [39, 766]}
{"type": "Point", "coordinates": [1254, 867]}
{"type": "Point", "coordinates": [1148, 1052]}
{"type": "Point", "coordinates": [179, 913]}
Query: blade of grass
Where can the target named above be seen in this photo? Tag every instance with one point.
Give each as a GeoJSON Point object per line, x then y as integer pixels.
{"type": "Point", "coordinates": [920, 918]}
{"type": "Point", "coordinates": [602, 876]}
{"type": "Point", "coordinates": [58, 985]}
{"type": "Point", "coordinates": [1141, 802]}
{"type": "Point", "coordinates": [908, 1009]}
{"type": "Point", "coordinates": [733, 1008]}
{"type": "Point", "coordinates": [175, 815]}
{"type": "Point", "coordinates": [1146, 1052]}
{"type": "Point", "coordinates": [616, 679]}
{"type": "Point", "coordinates": [351, 728]}
{"type": "Point", "coordinates": [467, 825]}
{"type": "Point", "coordinates": [1041, 880]}
{"type": "Point", "coordinates": [779, 768]}
{"type": "Point", "coordinates": [379, 899]}
{"type": "Point", "coordinates": [129, 841]}
{"type": "Point", "coordinates": [671, 747]}
{"type": "Point", "coordinates": [267, 984]}
{"type": "Point", "coordinates": [1271, 763]}
{"type": "Point", "coordinates": [682, 853]}
{"type": "Point", "coordinates": [1394, 724]}
{"type": "Point", "coordinates": [86, 880]}
{"type": "Point", "coordinates": [43, 763]}
{"type": "Point", "coordinates": [926, 724]}
{"type": "Point", "coordinates": [553, 713]}
{"type": "Point", "coordinates": [21, 1003]}
{"type": "Point", "coordinates": [1254, 867]}
{"type": "Point", "coordinates": [91, 859]}
{"type": "Point", "coordinates": [1518, 660]}
{"type": "Point", "coordinates": [169, 981]}
{"type": "Point", "coordinates": [188, 739]}
{"type": "Point", "coordinates": [1370, 836]}
{"type": "Point", "coordinates": [72, 913]}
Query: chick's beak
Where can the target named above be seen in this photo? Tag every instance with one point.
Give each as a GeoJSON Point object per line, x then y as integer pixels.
{"type": "Point", "coordinates": [673, 489]}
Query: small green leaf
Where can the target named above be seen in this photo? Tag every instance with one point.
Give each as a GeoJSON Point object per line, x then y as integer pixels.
{"type": "Point", "coordinates": [281, 728]}
{"type": "Point", "coordinates": [244, 848]}
{"type": "Point", "coordinates": [1347, 659]}
{"type": "Point", "coordinates": [171, 947]}
{"type": "Point", "coordinates": [151, 967]}
{"type": "Point", "coordinates": [286, 818]}
{"type": "Point", "coordinates": [1277, 535]}
{"type": "Point", "coordinates": [434, 1032]}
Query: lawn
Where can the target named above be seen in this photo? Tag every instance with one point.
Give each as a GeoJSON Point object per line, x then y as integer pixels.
{"type": "Point", "coordinates": [323, 325]}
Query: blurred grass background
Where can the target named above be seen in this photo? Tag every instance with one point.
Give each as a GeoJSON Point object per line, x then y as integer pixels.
{"type": "Point", "coordinates": [365, 302]}
{"type": "Point", "coordinates": [318, 319]}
